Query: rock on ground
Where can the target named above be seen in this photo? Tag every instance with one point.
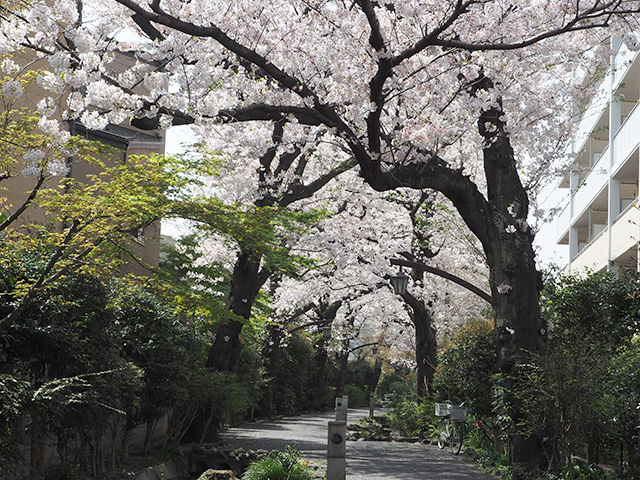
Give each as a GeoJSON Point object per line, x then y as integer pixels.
{"type": "Point", "coordinates": [218, 475]}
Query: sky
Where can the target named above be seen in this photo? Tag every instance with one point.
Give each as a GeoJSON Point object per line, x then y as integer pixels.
{"type": "Point", "coordinates": [176, 137]}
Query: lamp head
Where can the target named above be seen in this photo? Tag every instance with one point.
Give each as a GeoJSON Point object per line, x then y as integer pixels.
{"type": "Point", "coordinates": [400, 281]}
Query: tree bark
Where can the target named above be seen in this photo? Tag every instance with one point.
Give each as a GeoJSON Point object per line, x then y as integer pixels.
{"type": "Point", "coordinates": [326, 314]}
{"type": "Point", "coordinates": [318, 376]}
{"type": "Point", "coordinates": [224, 354]}
{"type": "Point", "coordinates": [426, 344]}
{"type": "Point", "coordinates": [343, 361]}
{"type": "Point", "coordinates": [247, 279]}
{"type": "Point", "coordinates": [377, 372]}
{"type": "Point", "coordinates": [271, 365]}
{"type": "Point", "coordinates": [518, 328]}
{"type": "Point", "coordinates": [514, 279]}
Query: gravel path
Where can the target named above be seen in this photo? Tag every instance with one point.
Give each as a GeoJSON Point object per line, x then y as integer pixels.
{"type": "Point", "coordinates": [365, 460]}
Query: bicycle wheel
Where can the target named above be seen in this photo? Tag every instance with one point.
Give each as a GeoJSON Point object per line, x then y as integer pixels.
{"type": "Point", "coordinates": [455, 439]}
{"type": "Point", "coordinates": [443, 432]}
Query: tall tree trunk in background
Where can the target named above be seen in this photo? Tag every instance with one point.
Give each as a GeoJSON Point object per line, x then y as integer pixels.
{"type": "Point", "coordinates": [271, 365]}
{"type": "Point", "coordinates": [377, 372]}
{"type": "Point", "coordinates": [426, 344]}
{"type": "Point", "coordinates": [318, 375]}
{"type": "Point", "coordinates": [343, 361]}
{"type": "Point", "coordinates": [326, 315]}
{"type": "Point", "coordinates": [39, 450]}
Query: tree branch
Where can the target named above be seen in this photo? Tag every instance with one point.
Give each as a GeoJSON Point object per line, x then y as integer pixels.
{"type": "Point", "coordinates": [289, 82]}
{"type": "Point", "coordinates": [12, 218]}
{"type": "Point", "coordinates": [432, 172]}
{"type": "Point", "coordinates": [580, 21]}
{"type": "Point", "coordinates": [441, 273]}
{"type": "Point", "coordinates": [7, 321]}
{"type": "Point", "coordinates": [263, 111]}
{"type": "Point", "coordinates": [299, 191]}
{"type": "Point", "coordinates": [376, 85]}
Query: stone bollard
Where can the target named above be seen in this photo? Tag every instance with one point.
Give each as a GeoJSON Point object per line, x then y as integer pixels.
{"type": "Point", "coordinates": [336, 450]}
{"type": "Point", "coordinates": [341, 409]}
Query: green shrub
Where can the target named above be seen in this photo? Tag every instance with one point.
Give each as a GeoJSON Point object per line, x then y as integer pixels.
{"type": "Point", "coordinates": [589, 375]}
{"type": "Point", "coordinates": [62, 471]}
{"type": "Point", "coordinates": [12, 397]}
{"type": "Point", "coordinates": [396, 380]}
{"type": "Point", "coordinates": [586, 472]}
{"type": "Point", "coordinates": [467, 368]}
{"type": "Point", "coordinates": [357, 396]}
{"type": "Point", "coordinates": [280, 466]}
{"type": "Point", "coordinates": [413, 418]}
{"type": "Point", "coordinates": [291, 391]}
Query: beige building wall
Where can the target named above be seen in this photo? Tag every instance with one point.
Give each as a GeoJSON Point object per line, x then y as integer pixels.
{"type": "Point", "coordinates": [127, 139]}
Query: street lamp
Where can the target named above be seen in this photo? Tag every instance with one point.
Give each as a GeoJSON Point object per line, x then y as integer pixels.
{"type": "Point", "coordinates": [326, 332]}
{"type": "Point", "coordinates": [399, 282]}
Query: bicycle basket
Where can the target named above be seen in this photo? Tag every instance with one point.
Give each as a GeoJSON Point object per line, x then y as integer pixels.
{"type": "Point", "coordinates": [442, 409]}
{"type": "Point", "coordinates": [458, 413]}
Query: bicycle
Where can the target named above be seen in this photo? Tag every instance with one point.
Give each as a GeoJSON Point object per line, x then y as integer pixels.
{"type": "Point", "coordinates": [451, 425]}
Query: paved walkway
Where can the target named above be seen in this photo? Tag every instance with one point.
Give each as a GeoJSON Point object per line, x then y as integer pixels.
{"type": "Point", "coordinates": [365, 460]}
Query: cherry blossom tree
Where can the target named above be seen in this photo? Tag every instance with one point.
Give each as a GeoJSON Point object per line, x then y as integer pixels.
{"type": "Point", "coordinates": [275, 171]}
{"type": "Point", "coordinates": [421, 94]}
{"type": "Point", "coordinates": [432, 228]}
{"type": "Point", "coordinates": [355, 245]}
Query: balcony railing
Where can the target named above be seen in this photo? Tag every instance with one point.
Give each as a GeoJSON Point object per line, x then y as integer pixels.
{"type": "Point", "coordinates": [626, 139]}
{"type": "Point", "coordinates": [591, 186]}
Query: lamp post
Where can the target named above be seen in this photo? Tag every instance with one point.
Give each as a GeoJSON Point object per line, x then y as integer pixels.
{"type": "Point", "coordinates": [374, 349]}
{"type": "Point", "coordinates": [400, 280]}
{"type": "Point", "coordinates": [326, 332]}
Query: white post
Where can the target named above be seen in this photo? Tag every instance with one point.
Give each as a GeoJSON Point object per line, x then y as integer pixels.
{"type": "Point", "coordinates": [341, 409]}
{"type": "Point", "coordinates": [345, 402]}
{"type": "Point", "coordinates": [336, 451]}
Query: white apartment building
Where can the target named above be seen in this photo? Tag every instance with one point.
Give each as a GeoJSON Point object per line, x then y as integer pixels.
{"type": "Point", "coordinates": [600, 218]}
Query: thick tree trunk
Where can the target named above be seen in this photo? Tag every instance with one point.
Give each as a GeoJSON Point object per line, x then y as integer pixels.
{"type": "Point", "coordinates": [245, 283]}
{"type": "Point", "coordinates": [426, 344]}
{"type": "Point", "coordinates": [224, 354]}
{"type": "Point", "coordinates": [519, 333]}
{"type": "Point", "coordinates": [514, 279]}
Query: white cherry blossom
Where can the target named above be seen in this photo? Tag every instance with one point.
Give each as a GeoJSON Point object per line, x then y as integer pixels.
{"type": "Point", "coordinates": [12, 89]}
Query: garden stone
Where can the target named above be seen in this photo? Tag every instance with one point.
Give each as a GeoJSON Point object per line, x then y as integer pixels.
{"type": "Point", "coordinates": [218, 475]}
